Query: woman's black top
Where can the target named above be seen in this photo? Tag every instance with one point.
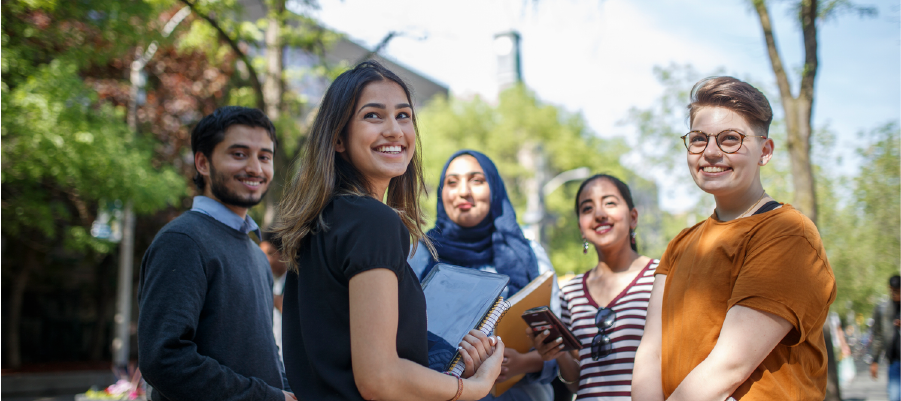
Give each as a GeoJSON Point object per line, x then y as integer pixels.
{"type": "Point", "coordinates": [362, 234]}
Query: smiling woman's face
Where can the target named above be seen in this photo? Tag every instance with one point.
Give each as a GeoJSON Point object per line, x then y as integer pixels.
{"type": "Point", "coordinates": [604, 216]}
{"type": "Point", "coordinates": [381, 137]}
{"type": "Point", "coordinates": [466, 195]}
{"type": "Point", "coordinates": [728, 175]}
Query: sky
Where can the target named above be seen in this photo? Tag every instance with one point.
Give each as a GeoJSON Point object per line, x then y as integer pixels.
{"type": "Point", "coordinates": [596, 57]}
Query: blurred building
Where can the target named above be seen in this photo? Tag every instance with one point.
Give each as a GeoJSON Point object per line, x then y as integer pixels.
{"type": "Point", "coordinates": [343, 52]}
{"type": "Point", "coordinates": [509, 66]}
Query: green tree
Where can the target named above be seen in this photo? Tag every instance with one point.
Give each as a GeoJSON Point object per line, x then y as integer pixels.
{"type": "Point", "coordinates": [798, 105]}
{"type": "Point", "coordinates": [500, 131]}
{"type": "Point", "coordinates": [67, 150]}
{"type": "Point", "coordinates": [64, 152]}
{"type": "Point", "coordinates": [862, 226]}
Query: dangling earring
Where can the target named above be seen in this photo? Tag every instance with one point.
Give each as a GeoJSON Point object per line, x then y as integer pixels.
{"type": "Point", "coordinates": [585, 247]}
{"type": "Point", "coordinates": [632, 234]}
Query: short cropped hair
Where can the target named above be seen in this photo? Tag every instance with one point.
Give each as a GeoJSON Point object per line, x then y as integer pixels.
{"type": "Point", "coordinates": [895, 282]}
{"type": "Point", "coordinates": [211, 130]}
{"type": "Point", "coordinates": [736, 95]}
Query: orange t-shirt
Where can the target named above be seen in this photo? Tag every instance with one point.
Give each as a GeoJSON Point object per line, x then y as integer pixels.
{"type": "Point", "coordinates": [772, 262]}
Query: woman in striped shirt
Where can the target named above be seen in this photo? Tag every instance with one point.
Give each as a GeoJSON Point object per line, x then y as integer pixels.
{"type": "Point", "coordinates": [605, 308]}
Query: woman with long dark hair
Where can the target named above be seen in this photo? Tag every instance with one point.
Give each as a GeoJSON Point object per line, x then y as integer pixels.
{"type": "Point", "coordinates": [354, 322]}
{"type": "Point", "coordinates": [604, 307]}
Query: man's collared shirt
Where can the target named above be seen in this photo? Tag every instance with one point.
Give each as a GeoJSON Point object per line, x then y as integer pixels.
{"type": "Point", "coordinates": [224, 215]}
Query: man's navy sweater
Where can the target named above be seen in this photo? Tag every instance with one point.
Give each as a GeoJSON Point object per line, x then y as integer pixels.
{"type": "Point", "coordinates": [205, 323]}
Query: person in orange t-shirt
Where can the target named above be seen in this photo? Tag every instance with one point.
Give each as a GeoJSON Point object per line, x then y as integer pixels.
{"type": "Point", "coordinates": [739, 300]}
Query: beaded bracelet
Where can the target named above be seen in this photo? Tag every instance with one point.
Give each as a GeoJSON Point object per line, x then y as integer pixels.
{"type": "Point", "coordinates": [459, 386]}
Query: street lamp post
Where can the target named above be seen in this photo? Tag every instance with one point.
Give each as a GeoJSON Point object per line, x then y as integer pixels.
{"type": "Point", "coordinates": [122, 318]}
{"type": "Point", "coordinates": [539, 187]}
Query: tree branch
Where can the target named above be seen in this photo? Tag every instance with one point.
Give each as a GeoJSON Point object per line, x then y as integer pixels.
{"type": "Point", "coordinates": [379, 47]}
{"type": "Point", "coordinates": [254, 79]}
{"type": "Point", "coordinates": [808, 16]}
{"type": "Point", "coordinates": [775, 59]}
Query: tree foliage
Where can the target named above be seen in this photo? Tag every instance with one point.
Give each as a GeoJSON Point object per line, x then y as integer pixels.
{"type": "Point", "coordinates": [64, 151]}
{"type": "Point", "coordinates": [862, 229]}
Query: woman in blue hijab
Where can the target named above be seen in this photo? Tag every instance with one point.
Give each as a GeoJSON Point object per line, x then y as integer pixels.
{"type": "Point", "coordinates": [476, 228]}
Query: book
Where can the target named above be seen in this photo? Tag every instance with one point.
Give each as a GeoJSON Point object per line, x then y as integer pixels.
{"type": "Point", "coordinates": [460, 299]}
{"type": "Point", "coordinates": [512, 328]}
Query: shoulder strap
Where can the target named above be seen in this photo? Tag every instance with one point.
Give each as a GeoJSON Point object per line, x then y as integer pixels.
{"type": "Point", "coordinates": [771, 205]}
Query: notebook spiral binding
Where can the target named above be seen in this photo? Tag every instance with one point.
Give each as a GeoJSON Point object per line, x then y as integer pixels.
{"type": "Point", "coordinates": [487, 327]}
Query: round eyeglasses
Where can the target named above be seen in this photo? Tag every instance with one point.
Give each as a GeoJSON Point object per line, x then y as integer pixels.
{"type": "Point", "coordinates": [601, 345]}
{"type": "Point", "coordinates": [729, 141]}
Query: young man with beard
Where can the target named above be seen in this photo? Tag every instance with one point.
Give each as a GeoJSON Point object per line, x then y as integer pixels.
{"type": "Point", "coordinates": [205, 294]}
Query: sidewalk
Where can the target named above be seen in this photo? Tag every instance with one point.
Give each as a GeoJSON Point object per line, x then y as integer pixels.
{"type": "Point", "coordinates": [64, 385]}
{"type": "Point", "coordinates": [864, 388]}
{"type": "Point", "coordinates": [56, 386]}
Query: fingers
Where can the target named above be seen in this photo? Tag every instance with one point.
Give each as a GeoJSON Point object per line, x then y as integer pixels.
{"type": "Point", "coordinates": [550, 350]}
{"type": "Point", "coordinates": [473, 353]}
{"type": "Point", "coordinates": [469, 367]}
{"type": "Point", "coordinates": [503, 376]}
{"type": "Point", "coordinates": [487, 342]}
{"type": "Point", "coordinates": [508, 355]}
{"type": "Point", "coordinates": [476, 347]}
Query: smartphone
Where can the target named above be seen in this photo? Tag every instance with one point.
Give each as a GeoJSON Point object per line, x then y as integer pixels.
{"type": "Point", "coordinates": [542, 318]}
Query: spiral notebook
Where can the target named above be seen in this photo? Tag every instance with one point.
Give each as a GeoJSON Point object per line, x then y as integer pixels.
{"type": "Point", "coordinates": [460, 299]}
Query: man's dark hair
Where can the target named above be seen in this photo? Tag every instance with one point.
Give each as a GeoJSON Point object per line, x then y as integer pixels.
{"type": "Point", "coordinates": [894, 281]}
{"type": "Point", "coordinates": [269, 236]}
{"type": "Point", "coordinates": [211, 130]}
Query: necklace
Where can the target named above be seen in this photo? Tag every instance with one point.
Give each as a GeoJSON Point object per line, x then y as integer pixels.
{"type": "Point", "coordinates": [753, 206]}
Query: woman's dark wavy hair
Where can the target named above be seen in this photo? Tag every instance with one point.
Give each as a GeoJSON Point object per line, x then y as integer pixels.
{"type": "Point", "coordinates": [322, 174]}
{"type": "Point", "coordinates": [620, 186]}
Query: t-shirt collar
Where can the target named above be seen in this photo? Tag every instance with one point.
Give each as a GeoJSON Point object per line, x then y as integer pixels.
{"type": "Point", "coordinates": [224, 215]}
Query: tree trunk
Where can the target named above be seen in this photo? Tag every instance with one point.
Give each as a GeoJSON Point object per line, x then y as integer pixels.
{"type": "Point", "coordinates": [273, 87]}
{"type": "Point", "coordinates": [797, 109]}
{"type": "Point", "coordinates": [14, 346]}
{"type": "Point", "coordinates": [104, 296]}
{"type": "Point", "coordinates": [273, 93]}
{"type": "Point", "coordinates": [799, 132]}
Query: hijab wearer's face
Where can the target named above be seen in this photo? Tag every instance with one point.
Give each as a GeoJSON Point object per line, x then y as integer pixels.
{"type": "Point", "coordinates": [466, 194]}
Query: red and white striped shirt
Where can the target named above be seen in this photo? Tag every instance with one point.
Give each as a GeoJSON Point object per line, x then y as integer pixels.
{"type": "Point", "coordinates": [610, 378]}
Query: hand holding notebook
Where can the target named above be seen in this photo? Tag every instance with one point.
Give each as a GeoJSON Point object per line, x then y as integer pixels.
{"type": "Point", "coordinates": [459, 300]}
{"type": "Point", "coordinates": [476, 347]}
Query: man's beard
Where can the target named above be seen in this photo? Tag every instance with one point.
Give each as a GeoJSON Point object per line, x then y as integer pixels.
{"type": "Point", "coordinates": [220, 191]}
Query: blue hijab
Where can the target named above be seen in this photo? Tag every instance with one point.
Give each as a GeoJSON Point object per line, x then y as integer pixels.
{"type": "Point", "coordinates": [496, 241]}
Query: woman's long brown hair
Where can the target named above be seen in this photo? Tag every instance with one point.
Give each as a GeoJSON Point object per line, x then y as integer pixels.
{"type": "Point", "coordinates": [321, 175]}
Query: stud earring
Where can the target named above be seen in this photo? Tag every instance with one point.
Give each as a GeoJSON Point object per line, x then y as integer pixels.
{"type": "Point", "coordinates": [585, 247]}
